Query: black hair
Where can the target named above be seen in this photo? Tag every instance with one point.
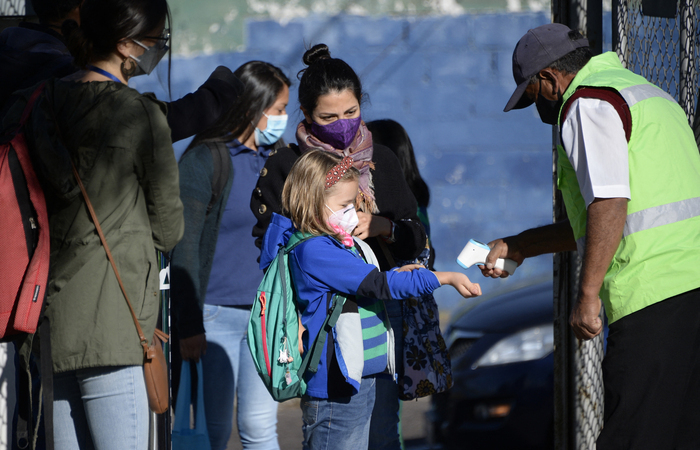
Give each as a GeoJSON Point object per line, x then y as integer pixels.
{"type": "Point", "coordinates": [572, 62]}
{"type": "Point", "coordinates": [323, 75]}
{"type": "Point", "coordinates": [391, 134]}
{"type": "Point", "coordinates": [263, 82]}
{"type": "Point", "coordinates": [104, 23]}
{"type": "Point", "coordinates": [53, 10]}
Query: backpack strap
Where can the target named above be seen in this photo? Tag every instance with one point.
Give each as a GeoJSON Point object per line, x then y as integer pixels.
{"type": "Point", "coordinates": [47, 392]}
{"type": "Point", "coordinates": [30, 104]}
{"type": "Point", "coordinates": [296, 239]}
{"type": "Point", "coordinates": [607, 95]}
{"type": "Point", "coordinates": [313, 356]}
{"type": "Point", "coordinates": [7, 137]}
{"type": "Point", "coordinates": [222, 169]}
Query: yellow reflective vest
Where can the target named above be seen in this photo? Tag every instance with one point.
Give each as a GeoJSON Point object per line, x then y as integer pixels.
{"type": "Point", "coordinates": [659, 255]}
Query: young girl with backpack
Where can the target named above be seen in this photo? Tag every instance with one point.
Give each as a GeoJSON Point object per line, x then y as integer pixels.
{"type": "Point", "coordinates": [319, 196]}
{"type": "Point", "coordinates": [331, 99]}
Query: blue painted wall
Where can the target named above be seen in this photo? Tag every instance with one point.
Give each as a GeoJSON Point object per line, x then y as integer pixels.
{"type": "Point", "coordinates": [446, 79]}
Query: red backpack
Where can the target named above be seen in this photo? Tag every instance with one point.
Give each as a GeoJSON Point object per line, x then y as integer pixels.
{"type": "Point", "coordinates": [24, 235]}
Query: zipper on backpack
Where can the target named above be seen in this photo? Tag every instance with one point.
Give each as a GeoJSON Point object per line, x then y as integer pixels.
{"type": "Point", "coordinates": [32, 225]}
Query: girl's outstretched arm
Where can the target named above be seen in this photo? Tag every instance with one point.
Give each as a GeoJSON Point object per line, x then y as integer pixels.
{"type": "Point", "coordinates": [460, 282]}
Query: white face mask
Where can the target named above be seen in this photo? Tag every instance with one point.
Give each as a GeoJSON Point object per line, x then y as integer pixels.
{"type": "Point", "coordinates": [346, 218]}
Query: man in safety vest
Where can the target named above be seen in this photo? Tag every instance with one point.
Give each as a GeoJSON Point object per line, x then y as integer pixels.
{"type": "Point", "coordinates": [629, 172]}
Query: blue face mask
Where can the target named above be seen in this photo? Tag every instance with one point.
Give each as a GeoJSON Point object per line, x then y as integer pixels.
{"type": "Point", "coordinates": [273, 132]}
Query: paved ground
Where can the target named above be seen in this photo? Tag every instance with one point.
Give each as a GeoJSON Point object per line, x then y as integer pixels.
{"type": "Point", "coordinates": [289, 426]}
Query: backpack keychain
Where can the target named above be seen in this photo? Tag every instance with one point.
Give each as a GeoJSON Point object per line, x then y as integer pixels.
{"type": "Point", "coordinates": [284, 354]}
{"type": "Point", "coordinates": [285, 358]}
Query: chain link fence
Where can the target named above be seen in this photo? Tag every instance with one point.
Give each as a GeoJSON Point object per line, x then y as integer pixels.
{"type": "Point", "coordinates": [10, 8]}
{"type": "Point", "coordinates": [661, 49]}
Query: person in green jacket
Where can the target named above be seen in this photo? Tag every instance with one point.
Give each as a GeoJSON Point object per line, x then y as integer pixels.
{"type": "Point", "coordinates": [119, 141]}
{"type": "Point", "coordinates": [629, 172]}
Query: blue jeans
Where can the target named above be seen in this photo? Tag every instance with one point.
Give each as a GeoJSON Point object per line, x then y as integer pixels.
{"type": "Point", "coordinates": [384, 429]}
{"type": "Point", "coordinates": [228, 371]}
{"type": "Point", "coordinates": [102, 408]}
{"type": "Point", "coordinates": [341, 423]}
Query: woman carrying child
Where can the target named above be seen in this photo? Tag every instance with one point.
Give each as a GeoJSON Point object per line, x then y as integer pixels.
{"type": "Point", "coordinates": [319, 196]}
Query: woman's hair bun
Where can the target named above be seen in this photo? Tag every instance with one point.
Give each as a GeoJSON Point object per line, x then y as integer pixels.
{"type": "Point", "coordinates": [316, 53]}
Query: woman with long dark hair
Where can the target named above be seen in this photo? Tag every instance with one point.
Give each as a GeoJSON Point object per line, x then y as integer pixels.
{"type": "Point", "coordinates": [214, 271]}
{"type": "Point", "coordinates": [330, 97]}
{"type": "Point", "coordinates": [119, 142]}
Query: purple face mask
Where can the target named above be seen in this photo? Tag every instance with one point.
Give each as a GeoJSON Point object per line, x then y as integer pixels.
{"type": "Point", "coordinates": [339, 134]}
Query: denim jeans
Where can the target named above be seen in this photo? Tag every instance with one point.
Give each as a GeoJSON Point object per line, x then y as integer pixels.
{"type": "Point", "coordinates": [384, 429]}
{"type": "Point", "coordinates": [102, 408]}
{"type": "Point", "coordinates": [228, 371]}
{"type": "Point", "coordinates": [341, 423]}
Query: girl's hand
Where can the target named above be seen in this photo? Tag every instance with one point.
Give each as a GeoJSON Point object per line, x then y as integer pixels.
{"type": "Point", "coordinates": [371, 226]}
{"type": "Point", "coordinates": [410, 267]}
{"type": "Point", "coordinates": [460, 282]}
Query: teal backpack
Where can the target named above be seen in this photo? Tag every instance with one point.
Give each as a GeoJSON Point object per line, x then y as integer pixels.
{"type": "Point", "coordinates": [273, 329]}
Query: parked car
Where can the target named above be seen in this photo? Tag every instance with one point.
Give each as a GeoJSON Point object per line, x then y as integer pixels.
{"type": "Point", "coordinates": [501, 347]}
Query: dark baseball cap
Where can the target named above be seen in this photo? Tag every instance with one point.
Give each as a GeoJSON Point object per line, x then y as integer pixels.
{"type": "Point", "coordinates": [538, 49]}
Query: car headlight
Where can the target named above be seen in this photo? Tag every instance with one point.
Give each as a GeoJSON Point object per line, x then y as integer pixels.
{"type": "Point", "coordinates": [526, 345]}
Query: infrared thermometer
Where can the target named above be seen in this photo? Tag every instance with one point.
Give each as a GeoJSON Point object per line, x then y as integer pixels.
{"type": "Point", "coordinates": [475, 252]}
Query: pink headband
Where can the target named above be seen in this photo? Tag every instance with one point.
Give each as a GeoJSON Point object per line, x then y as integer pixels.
{"type": "Point", "coordinates": [336, 173]}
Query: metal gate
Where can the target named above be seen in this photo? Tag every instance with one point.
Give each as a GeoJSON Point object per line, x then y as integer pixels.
{"type": "Point", "coordinates": [657, 39]}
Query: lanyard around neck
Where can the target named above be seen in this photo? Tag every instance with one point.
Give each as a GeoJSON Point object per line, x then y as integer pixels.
{"type": "Point", "coordinates": [103, 72]}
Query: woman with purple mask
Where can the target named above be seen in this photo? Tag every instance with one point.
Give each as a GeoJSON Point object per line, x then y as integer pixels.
{"type": "Point", "coordinates": [330, 97]}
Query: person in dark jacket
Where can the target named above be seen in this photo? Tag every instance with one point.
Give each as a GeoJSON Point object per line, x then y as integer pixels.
{"type": "Point", "coordinates": [30, 53]}
{"type": "Point", "coordinates": [330, 94]}
{"type": "Point", "coordinates": [391, 134]}
{"type": "Point", "coordinates": [214, 272]}
{"type": "Point", "coordinates": [130, 173]}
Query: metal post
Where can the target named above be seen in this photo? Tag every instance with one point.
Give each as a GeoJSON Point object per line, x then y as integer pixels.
{"type": "Point", "coordinates": [577, 375]}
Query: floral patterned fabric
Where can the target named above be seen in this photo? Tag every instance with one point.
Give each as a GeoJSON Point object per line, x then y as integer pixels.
{"type": "Point", "coordinates": [426, 368]}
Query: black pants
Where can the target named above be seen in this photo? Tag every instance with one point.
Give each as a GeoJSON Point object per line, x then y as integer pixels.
{"type": "Point", "coordinates": [651, 373]}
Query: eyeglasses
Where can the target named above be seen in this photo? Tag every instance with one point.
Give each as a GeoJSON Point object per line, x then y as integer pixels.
{"type": "Point", "coordinates": [161, 40]}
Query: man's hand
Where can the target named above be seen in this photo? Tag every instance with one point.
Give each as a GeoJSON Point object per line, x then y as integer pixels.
{"type": "Point", "coordinates": [553, 238]}
{"type": "Point", "coordinates": [585, 318]}
{"type": "Point", "coordinates": [192, 348]}
{"type": "Point", "coordinates": [500, 248]}
{"type": "Point", "coordinates": [371, 226]}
